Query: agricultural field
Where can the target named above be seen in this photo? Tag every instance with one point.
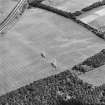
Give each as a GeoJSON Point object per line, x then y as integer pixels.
{"type": "Point", "coordinates": [95, 18]}
{"type": "Point", "coordinates": [69, 5]}
{"type": "Point", "coordinates": [41, 31]}
{"type": "Point", "coordinates": [42, 44]}
{"type": "Point", "coordinates": [95, 77]}
{"type": "Point", "coordinates": [5, 7]}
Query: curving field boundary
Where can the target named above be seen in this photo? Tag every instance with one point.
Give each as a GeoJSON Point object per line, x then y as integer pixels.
{"type": "Point", "coordinates": [69, 15]}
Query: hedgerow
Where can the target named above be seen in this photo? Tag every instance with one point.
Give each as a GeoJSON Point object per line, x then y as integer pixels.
{"type": "Point", "coordinates": [88, 8]}
{"type": "Point", "coordinates": [63, 88]}
{"type": "Point", "coordinates": [70, 16]}
{"type": "Point", "coordinates": [54, 10]}
{"type": "Point", "coordinates": [91, 63]}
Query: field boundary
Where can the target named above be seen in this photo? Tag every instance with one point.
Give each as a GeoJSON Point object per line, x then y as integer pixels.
{"type": "Point", "coordinates": [54, 10]}
{"type": "Point", "coordinates": [89, 8]}
{"type": "Point", "coordinates": [91, 63]}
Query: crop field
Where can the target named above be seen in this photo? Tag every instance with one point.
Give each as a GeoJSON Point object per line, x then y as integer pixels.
{"type": "Point", "coordinates": [44, 47]}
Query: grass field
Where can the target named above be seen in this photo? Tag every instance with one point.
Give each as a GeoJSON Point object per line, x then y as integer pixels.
{"type": "Point", "coordinates": [38, 31]}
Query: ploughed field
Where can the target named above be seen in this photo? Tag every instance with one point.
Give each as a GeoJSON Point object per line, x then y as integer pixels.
{"type": "Point", "coordinates": [41, 31]}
